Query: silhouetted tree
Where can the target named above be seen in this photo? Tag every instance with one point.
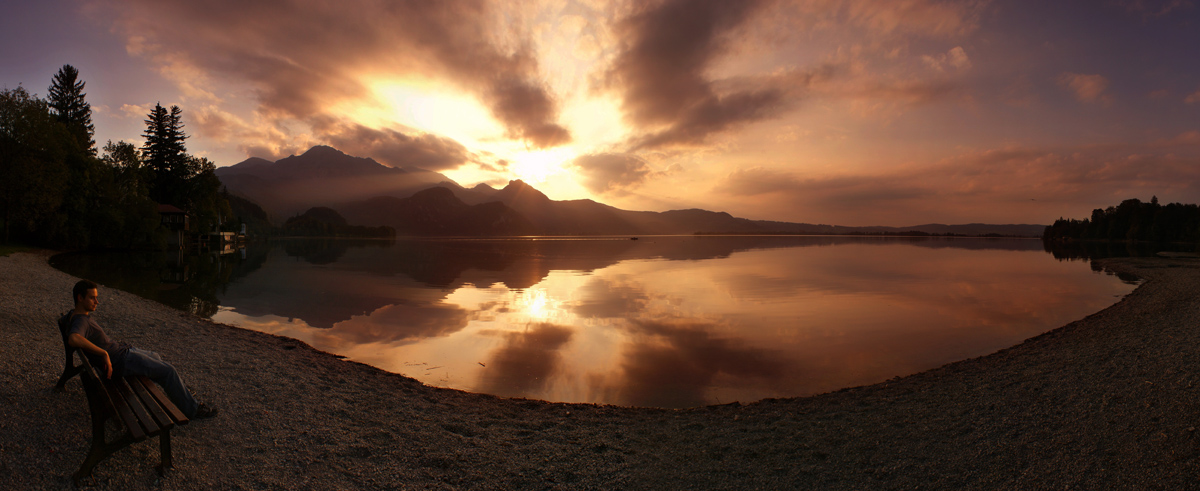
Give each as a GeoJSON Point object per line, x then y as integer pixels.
{"type": "Point", "coordinates": [33, 163]}
{"type": "Point", "coordinates": [1132, 220]}
{"type": "Point", "coordinates": [71, 108]}
{"type": "Point", "coordinates": [132, 176]}
{"type": "Point", "coordinates": [209, 208]}
{"type": "Point", "coordinates": [166, 155]}
{"type": "Point", "coordinates": [136, 219]}
{"type": "Point", "coordinates": [185, 181]}
{"type": "Point", "coordinates": [54, 191]}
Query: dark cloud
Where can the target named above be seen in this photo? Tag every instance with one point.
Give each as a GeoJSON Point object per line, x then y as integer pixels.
{"type": "Point", "coordinates": [604, 172]}
{"type": "Point", "coordinates": [526, 362]}
{"type": "Point", "coordinates": [394, 148]}
{"type": "Point", "coordinates": [714, 115]}
{"type": "Point", "coordinates": [676, 362]}
{"type": "Point", "coordinates": [985, 186]}
{"type": "Point", "coordinates": [527, 111]}
{"type": "Point", "coordinates": [1153, 8]}
{"type": "Point", "coordinates": [661, 72]}
{"type": "Point", "coordinates": [309, 57]}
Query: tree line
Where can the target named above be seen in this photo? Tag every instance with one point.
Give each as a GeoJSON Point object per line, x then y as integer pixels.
{"type": "Point", "coordinates": [1132, 220]}
{"type": "Point", "coordinates": [55, 191]}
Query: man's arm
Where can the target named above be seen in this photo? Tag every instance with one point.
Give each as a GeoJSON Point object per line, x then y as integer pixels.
{"type": "Point", "coordinates": [77, 340]}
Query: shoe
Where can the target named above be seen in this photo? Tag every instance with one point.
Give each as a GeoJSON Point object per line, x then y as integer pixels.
{"type": "Point", "coordinates": [204, 411]}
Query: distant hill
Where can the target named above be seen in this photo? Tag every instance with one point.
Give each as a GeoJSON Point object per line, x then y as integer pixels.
{"type": "Point", "coordinates": [973, 229]}
{"type": "Point", "coordinates": [437, 211]}
{"type": "Point", "coordinates": [416, 201]}
{"type": "Point", "coordinates": [252, 215]}
{"type": "Point", "coordinates": [322, 176]}
{"type": "Point", "coordinates": [587, 217]}
{"type": "Point", "coordinates": [326, 222]}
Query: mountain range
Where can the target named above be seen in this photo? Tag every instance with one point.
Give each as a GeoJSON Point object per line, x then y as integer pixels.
{"type": "Point", "coordinates": [416, 201]}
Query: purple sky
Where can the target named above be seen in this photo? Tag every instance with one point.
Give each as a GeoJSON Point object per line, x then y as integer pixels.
{"type": "Point", "coordinates": [826, 111]}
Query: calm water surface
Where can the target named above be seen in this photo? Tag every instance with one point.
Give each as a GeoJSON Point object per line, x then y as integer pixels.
{"type": "Point", "coordinates": [662, 321]}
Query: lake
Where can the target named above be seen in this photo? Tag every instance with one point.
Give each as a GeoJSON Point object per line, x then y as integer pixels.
{"type": "Point", "coordinates": [660, 321]}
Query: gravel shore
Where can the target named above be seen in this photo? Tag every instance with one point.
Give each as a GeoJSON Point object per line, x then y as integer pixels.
{"type": "Point", "coordinates": [1107, 402]}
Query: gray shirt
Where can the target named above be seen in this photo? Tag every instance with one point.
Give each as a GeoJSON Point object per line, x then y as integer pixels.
{"type": "Point", "coordinates": [87, 327]}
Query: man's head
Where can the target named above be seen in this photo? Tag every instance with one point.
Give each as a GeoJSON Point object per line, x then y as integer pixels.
{"type": "Point", "coordinates": [86, 295]}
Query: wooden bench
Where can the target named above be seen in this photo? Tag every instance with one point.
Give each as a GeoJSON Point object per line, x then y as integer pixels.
{"type": "Point", "coordinates": [136, 403]}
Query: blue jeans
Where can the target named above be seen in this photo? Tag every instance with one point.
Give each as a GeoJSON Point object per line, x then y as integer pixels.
{"type": "Point", "coordinates": [148, 363]}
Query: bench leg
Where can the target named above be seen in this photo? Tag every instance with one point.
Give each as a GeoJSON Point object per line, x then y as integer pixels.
{"type": "Point", "coordinates": [164, 451]}
{"type": "Point", "coordinates": [99, 450]}
{"type": "Point", "coordinates": [68, 372]}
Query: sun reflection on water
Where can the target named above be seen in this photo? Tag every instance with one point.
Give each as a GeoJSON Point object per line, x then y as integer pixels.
{"type": "Point", "coordinates": [648, 331]}
{"type": "Point", "coordinates": [535, 303]}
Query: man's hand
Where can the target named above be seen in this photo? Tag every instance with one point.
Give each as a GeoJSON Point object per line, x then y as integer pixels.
{"type": "Point", "coordinates": [78, 341]}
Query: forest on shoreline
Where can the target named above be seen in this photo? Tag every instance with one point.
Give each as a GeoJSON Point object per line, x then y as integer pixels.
{"type": "Point", "coordinates": [58, 192]}
{"type": "Point", "coordinates": [1132, 220]}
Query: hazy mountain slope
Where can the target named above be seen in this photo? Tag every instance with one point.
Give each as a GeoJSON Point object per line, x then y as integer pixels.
{"type": "Point", "coordinates": [322, 176]}
{"type": "Point", "coordinates": [574, 217]}
{"type": "Point", "coordinates": [437, 211]}
{"type": "Point", "coordinates": [1021, 230]}
{"type": "Point", "coordinates": [675, 222]}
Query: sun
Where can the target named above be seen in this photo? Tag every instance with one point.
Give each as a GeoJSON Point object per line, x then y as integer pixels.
{"type": "Point", "coordinates": [536, 166]}
{"type": "Point", "coordinates": [426, 107]}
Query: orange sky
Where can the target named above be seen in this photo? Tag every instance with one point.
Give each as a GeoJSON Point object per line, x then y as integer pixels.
{"type": "Point", "coordinates": [849, 112]}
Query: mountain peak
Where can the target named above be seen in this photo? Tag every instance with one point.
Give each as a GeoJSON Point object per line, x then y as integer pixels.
{"type": "Point", "coordinates": [322, 176]}
{"type": "Point", "coordinates": [323, 151]}
{"type": "Point", "coordinates": [483, 188]}
{"type": "Point", "coordinates": [518, 192]}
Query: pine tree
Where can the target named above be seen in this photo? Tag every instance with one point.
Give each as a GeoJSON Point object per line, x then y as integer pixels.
{"type": "Point", "coordinates": [67, 98]}
{"type": "Point", "coordinates": [166, 155]}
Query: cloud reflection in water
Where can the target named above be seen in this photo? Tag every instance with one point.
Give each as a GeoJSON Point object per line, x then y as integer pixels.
{"type": "Point", "coordinates": [674, 362]}
{"type": "Point", "coordinates": [526, 362]}
{"type": "Point", "coordinates": [671, 322]}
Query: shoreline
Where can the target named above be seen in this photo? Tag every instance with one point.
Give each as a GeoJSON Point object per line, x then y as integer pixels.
{"type": "Point", "coordinates": [1104, 401]}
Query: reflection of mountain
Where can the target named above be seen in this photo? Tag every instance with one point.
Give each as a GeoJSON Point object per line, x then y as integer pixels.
{"type": "Point", "coordinates": [658, 332]}
{"type": "Point", "coordinates": [332, 284]}
{"type": "Point", "coordinates": [352, 277]}
{"type": "Point", "coordinates": [521, 263]}
{"type": "Point", "coordinates": [327, 250]}
{"type": "Point", "coordinates": [369, 193]}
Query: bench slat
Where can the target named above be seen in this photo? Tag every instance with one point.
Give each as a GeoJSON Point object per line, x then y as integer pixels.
{"type": "Point", "coordinates": [135, 404]}
{"type": "Point", "coordinates": [173, 411]}
{"type": "Point", "coordinates": [153, 406]}
{"type": "Point", "coordinates": [123, 411]}
{"type": "Point", "coordinates": [116, 402]}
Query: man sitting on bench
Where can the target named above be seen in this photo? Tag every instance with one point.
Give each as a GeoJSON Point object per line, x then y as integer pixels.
{"type": "Point", "coordinates": [121, 359]}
